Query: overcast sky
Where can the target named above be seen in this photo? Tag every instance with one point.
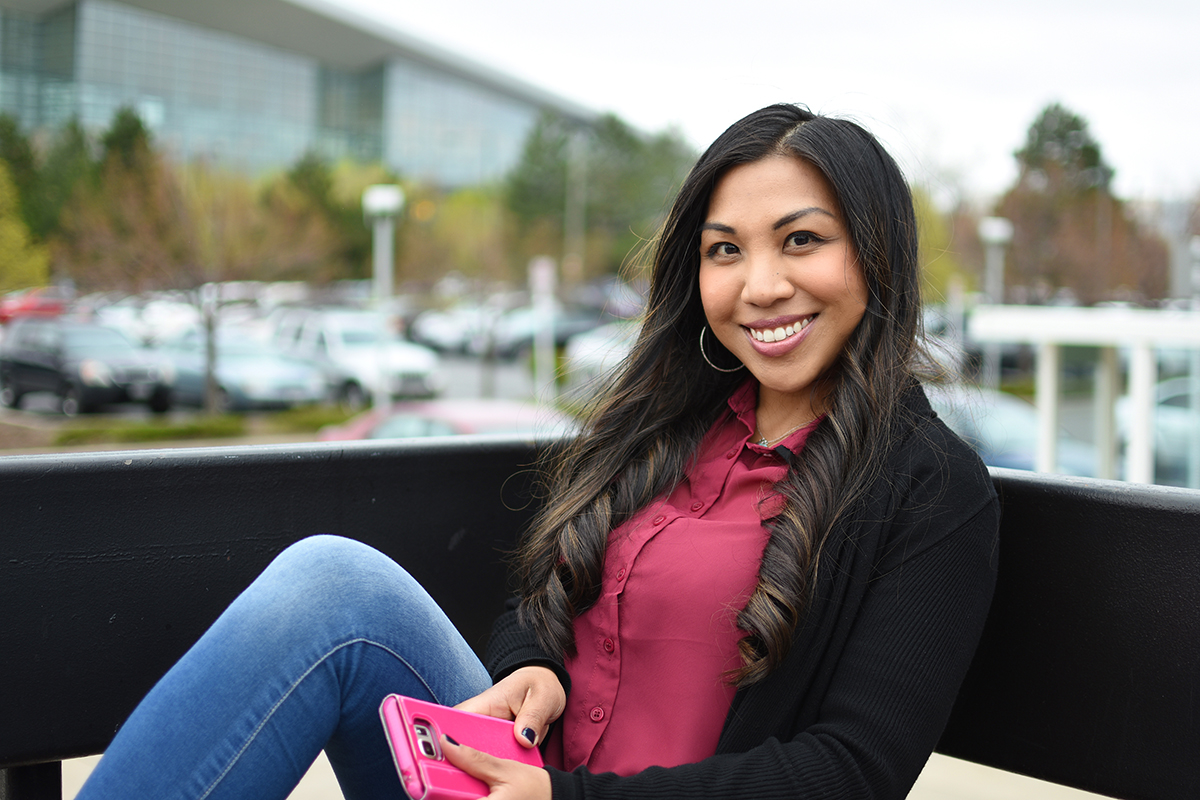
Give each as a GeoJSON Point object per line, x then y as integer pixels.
{"type": "Point", "coordinates": [950, 86]}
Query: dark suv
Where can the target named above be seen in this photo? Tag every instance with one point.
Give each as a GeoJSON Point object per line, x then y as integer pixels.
{"type": "Point", "coordinates": [87, 366]}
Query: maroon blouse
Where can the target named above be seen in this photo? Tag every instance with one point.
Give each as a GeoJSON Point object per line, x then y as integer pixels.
{"type": "Point", "coordinates": [647, 680]}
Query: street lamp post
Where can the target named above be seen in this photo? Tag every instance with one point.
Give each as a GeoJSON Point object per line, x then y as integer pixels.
{"type": "Point", "coordinates": [381, 205]}
{"type": "Point", "coordinates": [996, 233]}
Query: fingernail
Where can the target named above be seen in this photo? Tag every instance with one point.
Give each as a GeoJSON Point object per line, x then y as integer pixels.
{"type": "Point", "coordinates": [530, 734]}
{"type": "Point", "coordinates": [450, 739]}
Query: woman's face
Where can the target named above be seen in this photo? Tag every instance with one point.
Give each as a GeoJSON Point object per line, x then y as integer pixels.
{"type": "Point", "coordinates": [779, 278]}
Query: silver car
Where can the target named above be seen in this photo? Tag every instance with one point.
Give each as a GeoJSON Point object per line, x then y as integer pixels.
{"type": "Point", "coordinates": [364, 350]}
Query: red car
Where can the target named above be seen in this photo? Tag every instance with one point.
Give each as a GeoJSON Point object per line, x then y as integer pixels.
{"type": "Point", "coordinates": [43, 301]}
{"type": "Point", "coordinates": [452, 418]}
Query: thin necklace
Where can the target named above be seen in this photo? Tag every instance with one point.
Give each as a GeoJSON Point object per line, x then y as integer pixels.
{"type": "Point", "coordinates": [765, 442]}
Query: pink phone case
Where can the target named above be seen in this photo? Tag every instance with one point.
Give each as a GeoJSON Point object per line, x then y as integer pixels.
{"type": "Point", "coordinates": [414, 730]}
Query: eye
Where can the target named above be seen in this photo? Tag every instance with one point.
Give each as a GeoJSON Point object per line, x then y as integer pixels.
{"type": "Point", "coordinates": [722, 250]}
{"type": "Point", "coordinates": [802, 239]}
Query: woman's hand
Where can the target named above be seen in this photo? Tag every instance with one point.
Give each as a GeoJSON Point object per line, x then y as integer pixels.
{"type": "Point", "coordinates": [505, 779]}
{"type": "Point", "coordinates": [531, 696]}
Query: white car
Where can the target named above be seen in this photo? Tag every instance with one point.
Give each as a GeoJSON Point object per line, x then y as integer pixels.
{"type": "Point", "coordinates": [1003, 429]}
{"type": "Point", "coordinates": [1175, 429]}
{"type": "Point", "coordinates": [453, 330]}
{"type": "Point", "coordinates": [590, 357]}
{"type": "Point", "coordinates": [365, 349]}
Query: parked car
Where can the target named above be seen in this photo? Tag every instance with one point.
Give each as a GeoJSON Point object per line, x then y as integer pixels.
{"type": "Point", "coordinates": [86, 365]}
{"type": "Point", "coordinates": [452, 418]}
{"type": "Point", "coordinates": [363, 348]}
{"type": "Point", "coordinates": [149, 320]}
{"type": "Point", "coordinates": [591, 356]}
{"type": "Point", "coordinates": [513, 334]}
{"type": "Point", "coordinates": [250, 374]}
{"type": "Point", "coordinates": [1003, 429]}
{"type": "Point", "coordinates": [454, 329]}
{"type": "Point", "coordinates": [1175, 429]}
{"type": "Point", "coordinates": [41, 301]}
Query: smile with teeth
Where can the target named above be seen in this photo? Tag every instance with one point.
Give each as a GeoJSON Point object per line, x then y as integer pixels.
{"type": "Point", "coordinates": [780, 333]}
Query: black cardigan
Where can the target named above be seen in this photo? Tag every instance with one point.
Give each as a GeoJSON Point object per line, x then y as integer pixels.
{"type": "Point", "coordinates": [859, 703]}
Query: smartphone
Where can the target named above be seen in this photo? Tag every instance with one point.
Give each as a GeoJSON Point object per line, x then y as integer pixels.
{"type": "Point", "coordinates": [414, 730]}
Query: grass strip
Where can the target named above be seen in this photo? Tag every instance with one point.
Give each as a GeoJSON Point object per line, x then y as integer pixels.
{"type": "Point", "coordinates": [219, 427]}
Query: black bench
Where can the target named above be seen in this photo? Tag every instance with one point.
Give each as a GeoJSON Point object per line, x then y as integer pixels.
{"type": "Point", "coordinates": [113, 563]}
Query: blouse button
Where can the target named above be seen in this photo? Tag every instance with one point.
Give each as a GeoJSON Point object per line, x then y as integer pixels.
{"type": "Point", "coordinates": [621, 574]}
{"type": "Point", "coordinates": [609, 646]}
{"type": "Point", "coordinates": [696, 506]}
{"type": "Point", "coordinates": [659, 519]}
{"type": "Point", "coordinates": [732, 454]}
{"type": "Point", "coordinates": [597, 714]}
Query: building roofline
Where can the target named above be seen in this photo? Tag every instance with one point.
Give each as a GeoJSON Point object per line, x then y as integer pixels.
{"type": "Point", "coordinates": [333, 35]}
{"type": "Point", "coordinates": [426, 52]}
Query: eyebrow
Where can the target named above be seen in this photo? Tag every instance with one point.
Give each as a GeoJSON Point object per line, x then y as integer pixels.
{"type": "Point", "coordinates": [804, 212]}
{"type": "Point", "coordinates": [785, 220]}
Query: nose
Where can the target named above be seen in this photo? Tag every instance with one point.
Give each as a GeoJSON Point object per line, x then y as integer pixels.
{"type": "Point", "coordinates": [765, 281]}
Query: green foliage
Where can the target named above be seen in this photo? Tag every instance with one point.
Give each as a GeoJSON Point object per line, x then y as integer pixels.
{"type": "Point", "coordinates": [630, 180]}
{"type": "Point", "coordinates": [1070, 233]}
{"type": "Point", "coordinates": [130, 220]}
{"type": "Point", "coordinates": [330, 196]}
{"type": "Point", "coordinates": [127, 140]}
{"type": "Point", "coordinates": [307, 419]}
{"type": "Point", "coordinates": [22, 263]}
{"type": "Point", "coordinates": [128, 227]}
{"type": "Point", "coordinates": [301, 420]}
{"type": "Point", "coordinates": [17, 154]}
{"type": "Point", "coordinates": [141, 224]}
{"type": "Point", "coordinates": [67, 164]}
{"type": "Point", "coordinates": [940, 263]}
{"type": "Point", "coordinates": [206, 427]}
{"type": "Point", "coordinates": [536, 188]}
{"type": "Point", "coordinates": [1060, 152]}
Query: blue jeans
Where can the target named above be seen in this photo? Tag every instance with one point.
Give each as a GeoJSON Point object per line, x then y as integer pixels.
{"type": "Point", "coordinates": [299, 662]}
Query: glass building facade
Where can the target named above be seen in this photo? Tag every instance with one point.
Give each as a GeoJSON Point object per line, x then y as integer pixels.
{"type": "Point", "coordinates": [215, 95]}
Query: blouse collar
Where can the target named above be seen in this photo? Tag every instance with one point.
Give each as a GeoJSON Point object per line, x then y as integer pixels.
{"type": "Point", "coordinates": [743, 403]}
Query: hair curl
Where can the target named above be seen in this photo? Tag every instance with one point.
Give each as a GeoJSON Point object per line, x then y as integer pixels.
{"type": "Point", "coordinates": [645, 429]}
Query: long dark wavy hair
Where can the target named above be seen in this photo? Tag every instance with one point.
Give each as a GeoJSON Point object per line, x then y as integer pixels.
{"type": "Point", "coordinates": [646, 428]}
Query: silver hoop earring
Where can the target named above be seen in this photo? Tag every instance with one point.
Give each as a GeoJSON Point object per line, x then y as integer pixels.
{"type": "Point", "coordinates": [704, 355]}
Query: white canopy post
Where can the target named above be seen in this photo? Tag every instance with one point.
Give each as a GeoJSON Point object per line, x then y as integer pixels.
{"type": "Point", "coordinates": [1108, 380]}
{"type": "Point", "coordinates": [1142, 374]}
{"type": "Point", "coordinates": [1046, 394]}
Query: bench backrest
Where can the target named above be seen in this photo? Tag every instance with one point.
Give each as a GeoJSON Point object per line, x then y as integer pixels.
{"type": "Point", "coordinates": [114, 563]}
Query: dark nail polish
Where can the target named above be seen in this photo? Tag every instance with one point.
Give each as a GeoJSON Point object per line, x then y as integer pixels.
{"type": "Point", "coordinates": [530, 734]}
{"type": "Point", "coordinates": [450, 739]}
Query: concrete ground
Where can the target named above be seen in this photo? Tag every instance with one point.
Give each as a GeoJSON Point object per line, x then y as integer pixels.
{"type": "Point", "coordinates": [943, 779]}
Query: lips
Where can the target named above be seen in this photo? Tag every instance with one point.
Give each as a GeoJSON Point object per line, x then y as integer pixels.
{"type": "Point", "coordinates": [778, 333]}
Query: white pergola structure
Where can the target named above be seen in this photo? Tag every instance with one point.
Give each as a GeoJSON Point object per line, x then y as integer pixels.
{"type": "Point", "coordinates": [1049, 328]}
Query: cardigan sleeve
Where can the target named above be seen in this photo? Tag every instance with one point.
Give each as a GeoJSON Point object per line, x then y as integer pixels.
{"type": "Point", "coordinates": [895, 659]}
{"type": "Point", "coordinates": [514, 645]}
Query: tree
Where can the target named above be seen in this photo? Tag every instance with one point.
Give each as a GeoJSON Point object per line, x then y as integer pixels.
{"type": "Point", "coordinates": [67, 163]}
{"type": "Point", "coordinates": [469, 231]}
{"type": "Point", "coordinates": [123, 230]}
{"type": "Point", "coordinates": [22, 263]}
{"type": "Point", "coordinates": [330, 196]}
{"type": "Point", "coordinates": [1070, 233]}
{"type": "Point", "coordinates": [142, 225]}
{"type": "Point", "coordinates": [1060, 153]}
{"type": "Point", "coordinates": [630, 179]}
{"type": "Point", "coordinates": [17, 154]}
{"type": "Point", "coordinates": [941, 263]}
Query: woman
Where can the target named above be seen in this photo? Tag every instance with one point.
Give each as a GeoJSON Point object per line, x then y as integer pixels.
{"type": "Point", "coordinates": [761, 572]}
